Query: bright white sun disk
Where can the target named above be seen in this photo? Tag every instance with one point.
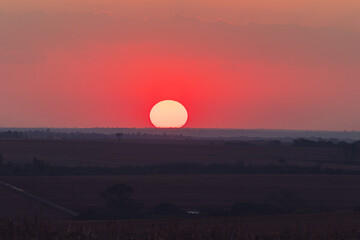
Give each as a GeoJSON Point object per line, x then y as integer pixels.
{"type": "Point", "coordinates": [168, 114]}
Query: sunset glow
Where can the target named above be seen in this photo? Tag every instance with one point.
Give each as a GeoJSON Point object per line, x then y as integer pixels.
{"type": "Point", "coordinates": [233, 64]}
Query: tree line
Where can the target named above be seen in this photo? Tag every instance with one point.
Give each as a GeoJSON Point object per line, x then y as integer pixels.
{"type": "Point", "coordinates": [38, 167]}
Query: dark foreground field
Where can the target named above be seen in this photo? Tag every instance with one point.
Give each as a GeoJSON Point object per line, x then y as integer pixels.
{"type": "Point", "coordinates": [79, 193]}
{"type": "Point", "coordinates": [306, 226]}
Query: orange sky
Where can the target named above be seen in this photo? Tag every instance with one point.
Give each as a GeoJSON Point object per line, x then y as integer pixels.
{"type": "Point", "coordinates": [289, 65]}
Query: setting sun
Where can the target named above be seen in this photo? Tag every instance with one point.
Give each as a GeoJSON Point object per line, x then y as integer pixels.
{"type": "Point", "coordinates": [168, 114]}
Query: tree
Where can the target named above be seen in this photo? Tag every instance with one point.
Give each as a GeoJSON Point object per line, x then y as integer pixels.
{"type": "Point", "coordinates": [119, 203]}
{"type": "Point", "coordinates": [282, 161]}
{"type": "Point", "coordinates": [1, 164]}
{"type": "Point", "coordinates": [119, 136]}
{"type": "Point", "coordinates": [286, 201]}
{"type": "Point", "coordinates": [117, 195]}
{"type": "Point", "coordinates": [39, 166]}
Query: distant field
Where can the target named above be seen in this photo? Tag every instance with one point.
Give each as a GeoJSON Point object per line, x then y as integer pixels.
{"type": "Point", "coordinates": [80, 193]}
{"type": "Point", "coordinates": [113, 153]}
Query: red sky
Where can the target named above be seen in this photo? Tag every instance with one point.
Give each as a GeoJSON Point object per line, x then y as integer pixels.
{"type": "Point", "coordinates": [288, 65]}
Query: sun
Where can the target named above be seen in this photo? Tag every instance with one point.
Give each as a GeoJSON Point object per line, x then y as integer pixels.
{"type": "Point", "coordinates": [168, 114]}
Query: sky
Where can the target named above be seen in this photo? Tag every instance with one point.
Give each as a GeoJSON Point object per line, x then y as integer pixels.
{"type": "Point", "coordinates": [233, 64]}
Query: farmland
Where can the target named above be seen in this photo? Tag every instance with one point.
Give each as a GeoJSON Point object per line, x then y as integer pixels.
{"type": "Point", "coordinates": [312, 226]}
{"type": "Point", "coordinates": [140, 152]}
{"type": "Point", "coordinates": [193, 191]}
{"type": "Point", "coordinates": [325, 198]}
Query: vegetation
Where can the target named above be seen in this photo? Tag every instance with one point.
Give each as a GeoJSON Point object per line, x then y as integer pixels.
{"type": "Point", "coordinates": [40, 168]}
{"type": "Point", "coordinates": [117, 200]}
{"type": "Point", "coordinates": [120, 205]}
{"type": "Point", "coordinates": [351, 150]}
{"type": "Point", "coordinates": [216, 229]}
{"type": "Point", "coordinates": [12, 134]}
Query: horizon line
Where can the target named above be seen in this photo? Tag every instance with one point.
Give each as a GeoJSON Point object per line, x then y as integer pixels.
{"type": "Point", "coordinates": [189, 128]}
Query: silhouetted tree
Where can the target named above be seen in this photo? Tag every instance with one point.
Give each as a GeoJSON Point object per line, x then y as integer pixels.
{"type": "Point", "coordinates": [274, 143]}
{"type": "Point", "coordinates": [2, 167]}
{"type": "Point", "coordinates": [356, 208]}
{"type": "Point", "coordinates": [119, 203]}
{"type": "Point", "coordinates": [39, 166]}
{"type": "Point", "coordinates": [350, 150]}
{"type": "Point", "coordinates": [357, 150]}
{"type": "Point", "coordinates": [117, 195]}
{"type": "Point", "coordinates": [49, 133]}
{"type": "Point", "coordinates": [11, 134]}
{"type": "Point", "coordinates": [319, 164]}
{"type": "Point", "coordinates": [119, 136]}
{"type": "Point", "coordinates": [304, 143]}
{"type": "Point", "coordinates": [286, 201]}
{"type": "Point", "coordinates": [282, 161]}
